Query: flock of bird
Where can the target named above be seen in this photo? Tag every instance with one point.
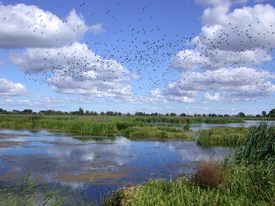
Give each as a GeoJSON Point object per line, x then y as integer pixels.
{"type": "Point", "coordinates": [146, 56]}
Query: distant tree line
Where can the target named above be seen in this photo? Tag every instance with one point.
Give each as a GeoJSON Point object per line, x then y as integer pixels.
{"type": "Point", "coordinates": [80, 111]}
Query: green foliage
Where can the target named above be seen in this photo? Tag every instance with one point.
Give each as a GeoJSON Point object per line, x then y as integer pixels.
{"type": "Point", "coordinates": [229, 136]}
{"type": "Point", "coordinates": [81, 111]}
{"type": "Point", "coordinates": [241, 114]}
{"type": "Point", "coordinates": [259, 146]}
{"type": "Point", "coordinates": [213, 184]}
{"type": "Point", "coordinates": [271, 113]}
{"type": "Point", "coordinates": [186, 127]}
{"type": "Point", "coordinates": [154, 131]}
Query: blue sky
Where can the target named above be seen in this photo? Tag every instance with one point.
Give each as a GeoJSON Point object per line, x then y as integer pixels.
{"type": "Point", "coordinates": [138, 56]}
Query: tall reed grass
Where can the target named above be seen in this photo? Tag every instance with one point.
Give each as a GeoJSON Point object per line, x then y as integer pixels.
{"type": "Point", "coordinates": [230, 136]}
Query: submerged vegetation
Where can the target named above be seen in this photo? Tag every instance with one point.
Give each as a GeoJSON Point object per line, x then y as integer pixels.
{"type": "Point", "coordinates": [247, 178]}
{"type": "Point", "coordinates": [30, 192]}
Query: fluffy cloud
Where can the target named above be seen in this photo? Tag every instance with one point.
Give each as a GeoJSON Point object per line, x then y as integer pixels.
{"type": "Point", "coordinates": [135, 76]}
{"type": "Point", "coordinates": [216, 97]}
{"type": "Point", "coordinates": [9, 88]}
{"type": "Point", "coordinates": [76, 70]}
{"type": "Point", "coordinates": [97, 28]}
{"type": "Point", "coordinates": [45, 101]}
{"type": "Point", "coordinates": [236, 85]}
{"type": "Point", "coordinates": [243, 37]}
{"type": "Point", "coordinates": [156, 93]}
{"type": "Point", "coordinates": [28, 26]}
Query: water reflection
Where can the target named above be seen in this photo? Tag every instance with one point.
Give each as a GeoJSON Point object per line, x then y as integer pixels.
{"type": "Point", "coordinates": [197, 127]}
{"type": "Point", "coordinates": [56, 157]}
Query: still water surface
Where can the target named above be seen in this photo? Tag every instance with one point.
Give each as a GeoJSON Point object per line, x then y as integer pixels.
{"type": "Point", "coordinates": [197, 127]}
{"type": "Point", "coordinates": [56, 158]}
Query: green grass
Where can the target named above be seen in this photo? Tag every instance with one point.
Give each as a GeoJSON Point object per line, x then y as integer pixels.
{"type": "Point", "coordinates": [154, 131]}
{"type": "Point", "coordinates": [93, 126]}
{"type": "Point", "coordinates": [230, 136]}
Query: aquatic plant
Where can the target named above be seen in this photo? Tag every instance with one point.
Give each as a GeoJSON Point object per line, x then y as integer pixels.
{"type": "Point", "coordinates": [30, 192]}
{"type": "Point", "coordinates": [259, 146]}
{"type": "Point", "coordinates": [230, 136]}
{"type": "Point", "coordinates": [186, 127]}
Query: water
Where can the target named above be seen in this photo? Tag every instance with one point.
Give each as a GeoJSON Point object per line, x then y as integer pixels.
{"type": "Point", "coordinates": [57, 158]}
{"type": "Point", "coordinates": [197, 127]}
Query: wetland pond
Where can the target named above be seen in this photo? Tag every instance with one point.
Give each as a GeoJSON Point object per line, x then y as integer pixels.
{"type": "Point", "coordinates": [56, 158]}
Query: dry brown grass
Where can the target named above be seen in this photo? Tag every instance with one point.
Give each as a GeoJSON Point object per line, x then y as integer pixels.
{"type": "Point", "coordinates": [209, 174]}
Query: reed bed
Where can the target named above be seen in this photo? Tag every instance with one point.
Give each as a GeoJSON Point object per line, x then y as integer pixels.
{"type": "Point", "coordinates": [230, 136]}
{"type": "Point", "coordinates": [189, 120]}
{"type": "Point", "coordinates": [259, 146]}
{"type": "Point", "coordinates": [154, 131]}
{"type": "Point", "coordinates": [93, 126]}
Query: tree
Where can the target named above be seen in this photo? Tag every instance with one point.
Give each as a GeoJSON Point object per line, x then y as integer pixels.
{"type": "Point", "coordinates": [109, 113]}
{"type": "Point", "coordinates": [271, 113]}
{"type": "Point", "coordinates": [81, 111]}
{"type": "Point", "coordinates": [183, 115]}
{"type": "Point", "coordinates": [241, 114]}
{"type": "Point", "coordinates": [87, 112]}
{"type": "Point", "coordinates": [172, 114]}
{"type": "Point", "coordinates": [102, 113]}
{"type": "Point", "coordinates": [27, 111]}
{"type": "Point", "coordinates": [264, 113]}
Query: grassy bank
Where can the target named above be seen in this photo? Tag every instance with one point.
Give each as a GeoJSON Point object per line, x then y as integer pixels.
{"type": "Point", "coordinates": [247, 179]}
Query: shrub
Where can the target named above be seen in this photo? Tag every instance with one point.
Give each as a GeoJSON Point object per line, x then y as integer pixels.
{"type": "Point", "coordinates": [186, 127]}
{"type": "Point", "coordinates": [208, 174]}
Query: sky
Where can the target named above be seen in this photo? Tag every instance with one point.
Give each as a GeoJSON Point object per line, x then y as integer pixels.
{"type": "Point", "coordinates": [201, 56]}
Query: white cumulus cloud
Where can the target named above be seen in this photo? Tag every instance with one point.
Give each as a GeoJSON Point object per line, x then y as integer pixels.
{"type": "Point", "coordinates": [244, 37]}
{"type": "Point", "coordinates": [9, 88]}
{"type": "Point", "coordinates": [28, 26]}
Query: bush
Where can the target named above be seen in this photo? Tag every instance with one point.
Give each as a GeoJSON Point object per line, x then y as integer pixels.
{"type": "Point", "coordinates": [209, 174]}
{"type": "Point", "coordinates": [186, 127]}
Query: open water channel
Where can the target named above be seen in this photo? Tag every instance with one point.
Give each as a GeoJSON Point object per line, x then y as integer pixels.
{"type": "Point", "coordinates": [56, 158]}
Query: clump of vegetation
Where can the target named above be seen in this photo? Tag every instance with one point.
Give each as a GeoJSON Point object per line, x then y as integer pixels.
{"type": "Point", "coordinates": [230, 136]}
{"type": "Point", "coordinates": [259, 146]}
{"type": "Point", "coordinates": [186, 127]}
{"type": "Point", "coordinates": [154, 131]}
{"type": "Point", "coordinates": [209, 174]}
